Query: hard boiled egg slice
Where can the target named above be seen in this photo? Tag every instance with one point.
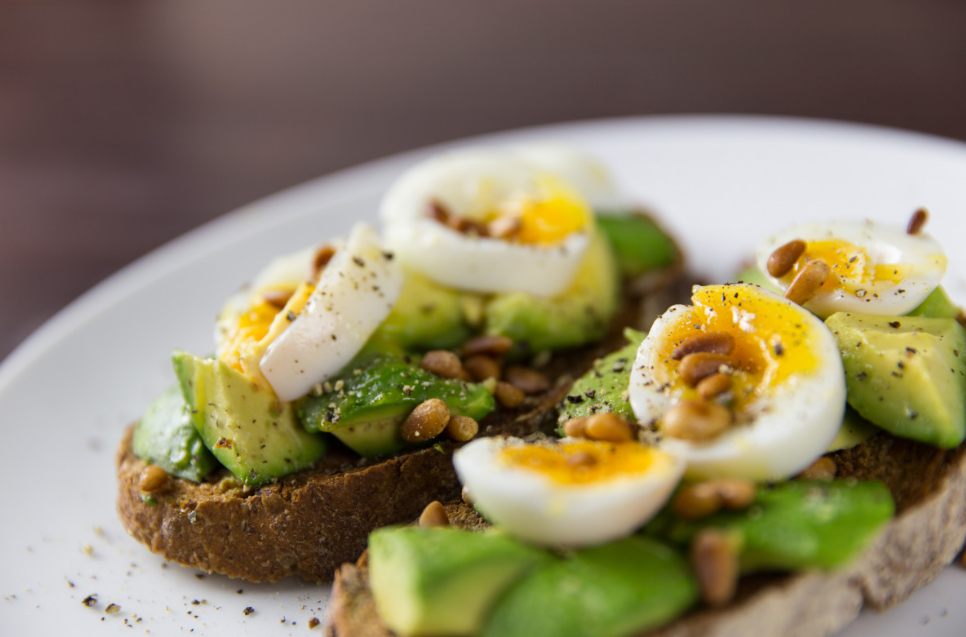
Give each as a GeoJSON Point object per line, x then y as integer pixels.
{"type": "Point", "coordinates": [354, 294]}
{"type": "Point", "coordinates": [787, 391]}
{"type": "Point", "coordinates": [875, 268]}
{"type": "Point", "coordinates": [488, 221]}
{"type": "Point", "coordinates": [571, 493]}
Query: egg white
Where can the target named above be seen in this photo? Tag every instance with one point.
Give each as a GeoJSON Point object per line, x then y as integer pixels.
{"type": "Point", "coordinates": [355, 293]}
{"type": "Point", "coordinates": [581, 170]}
{"type": "Point", "coordinates": [788, 428]}
{"type": "Point", "coordinates": [541, 510]}
{"type": "Point", "coordinates": [466, 183]}
{"type": "Point", "coordinates": [885, 244]}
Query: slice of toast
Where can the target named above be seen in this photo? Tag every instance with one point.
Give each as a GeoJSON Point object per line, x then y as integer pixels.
{"type": "Point", "coordinates": [310, 522]}
{"type": "Point", "coordinates": [929, 486]}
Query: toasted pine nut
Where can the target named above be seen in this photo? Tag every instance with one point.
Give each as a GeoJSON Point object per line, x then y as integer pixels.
{"type": "Point", "coordinates": [434, 515]}
{"type": "Point", "coordinates": [711, 342]}
{"type": "Point", "coordinates": [466, 496]}
{"type": "Point", "coordinates": [822, 469]}
{"type": "Point", "coordinates": [426, 421]}
{"type": "Point", "coordinates": [608, 427]}
{"type": "Point", "coordinates": [811, 277]}
{"type": "Point", "coordinates": [504, 227]}
{"type": "Point", "coordinates": [575, 427]}
{"type": "Point", "coordinates": [508, 395]}
{"type": "Point", "coordinates": [442, 363]}
{"type": "Point", "coordinates": [713, 385]}
{"type": "Point", "coordinates": [781, 261]}
{"type": "Point", "coordinates": [918, 220]}
{"type": "Point", "coordinates": [697, 501]}
{"type": "Point", "coordinates": [278, 298]}
{"type": "Point", "coordinates": [696, 367]}
{"type": "Point", "coordinates": [438, 211]}
{"type": "Point", "coordinates": [736, 493]}
{"type": "Point", "coordinates": [462, 428]}
{"type": "Point", "coordinates": [322, 257]}
{"type": "Point", "coordinates": [692, 420]}
{"type": "Point", "coordinates": [467, 226]}
{"type": "Point", "coordinates": [482, 367]}
{"type": "Point", "coordinates": [529, 380]}
{"type": "Point", "coordinates": [487, 345]}
{"type": "Point", "coordinates": [581, 459]}
{"type": "Point", "coordinates": [152, 479]}
{"type": "Point", "coordinates": [714, 561]}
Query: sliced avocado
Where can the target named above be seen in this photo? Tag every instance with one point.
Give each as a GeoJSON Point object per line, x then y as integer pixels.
{"type": "Point", "coordinates": [166, 436]}
{"type": "Point", "coordinates": [368, 401]}
{"type": "Point", "coordinates": [440, 580]}
{"type": "Point", "coordinates": [425, 316]}
{"type": "Point", "coordinates": [579, 315]}
{"type": "Point", "coordinates": [604, 387]}
{"type": "Point", "coordinates": [854, 431]}
{"type": "Point", "coordinates": [248, 430]}
{"type": "Point", "coordinates": [937, 305]}
{"type": "Point", "coordinates": [795, 525]}
{"type": "Point", "coordinates": [616, 589]}
{"type": "Point", "coordinates": [905, 374]}
{"type": "Point", "coordinates": [639, 244]}
{"type": "Point", "coordinates": [753, 275]}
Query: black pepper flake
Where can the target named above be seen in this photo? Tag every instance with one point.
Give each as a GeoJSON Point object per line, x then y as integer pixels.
{"type": "Point", "coordinates": [895, 324]}
{"type": "Point", "coordinates": [358, 261]}
{"type": "Point", "coordinates": [779, 349]}
{"type": "Point", "coordinates": [240, 591]}
{"type": "Point", "coordinates": [89, 601]}
{"type": "Point", "coordinates": [861, 376]}
{"type": "Point", "coordinates": [248, 610]}
{"type": "Point", "coordinates": [590, 393]}
{"type": "Point", "coordinates": [912, 350]}
{"type": "Point", "coordinates": [388, 256]}
{"type": "Point", "coordinates": [575, 400]}
{"type": "Point", "coordinates": [290, 316]}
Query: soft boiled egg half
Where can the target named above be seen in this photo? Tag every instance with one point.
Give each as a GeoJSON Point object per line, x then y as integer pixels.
{"type": "Point", "coordinates": [875, 268]}
{"type": "Point", "coordinates": [489, 220]}
{"type": "Point", "coordinates": [785, 395]}
{"type": "Point", "coordinates": [290, 331]}
{"type": "Point", "coordinates": [569, 493]}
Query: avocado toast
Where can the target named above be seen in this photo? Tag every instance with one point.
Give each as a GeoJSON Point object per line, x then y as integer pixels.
{"type": "Point", "coordinates": [271, 459]}
{"type": "Point", "coordinates": [760, 508]}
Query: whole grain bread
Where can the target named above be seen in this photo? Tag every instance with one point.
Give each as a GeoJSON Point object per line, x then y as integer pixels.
{"type": "Point", "coordinates": [311, 522]}
{"type": "Point", "coordinates": [929, 486]}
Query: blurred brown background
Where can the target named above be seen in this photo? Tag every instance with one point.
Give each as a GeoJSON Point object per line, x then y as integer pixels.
{"type": "Point", "coordinates": [123, 125]}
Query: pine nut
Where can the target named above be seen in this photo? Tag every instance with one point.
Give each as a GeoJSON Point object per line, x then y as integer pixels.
{"type": "Point", "coordinates": [918, 220]}
{"type": "Point", "coordinates": [462, 428]}
{"type": "Point", "coordinates": [581, 459]}
{"type": "Point", "coordinates": [608, 427]}
{"type": "Point", "coordinates": [822, 469]}
{"type": "Point", "coordinates": [692, 420]}
{"type": "Point", "coordinates": [481, 367]}
{"type": "Point", "coordinates": [504, 227]}
{"type": "Point", "coordinates": [808, 281]}
{"type": "Point", "coordinates": [508, 395]}
{"type": "Point", "coordinates": [487, 345]}
{"type": "Point", "coordinates": [322, 257]}
{"type": "Point", "coordinates": [783, 259]}
{"type": "Point", "coordinates": [696, 367]}
{"type": "Point", "coordinates": [714, 561]}
{"type": "Point", "coordinates": [438, 211]}
{"type": "Point", "coordinates": [697, 501]}
{"type": "Point", "coordinates": [711, 342]}
{"type": "Point", "coordinates": [152, 479]}
{"type": "Point", "coordinates": [278, 298]}
{"type": "Point", "coordinates": [466, 496]}
{"type": "Point", "coordinates": [575, 427]}
{"type": "Point", "coordinates": [736, 494]}
{"type": "Point", "coordinates": [714, 385]}
{"type": "Point", "coordinates": [426, 421]}
{"type": "Point", "coordinates": [529, 380]}
{"type": "Point", "coordinates": [434, 515]}
{"type": "Point", "coordinates": [442, 363]}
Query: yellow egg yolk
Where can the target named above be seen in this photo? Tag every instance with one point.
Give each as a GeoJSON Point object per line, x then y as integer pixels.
{"type": "Point", "coordinates": [585, 462]}
{"type": "Point", "coordinates": [548, 213]}
{"type": "Point", "coordinates": [853, 268]}
{"type": "Point", "coordinates": [772, 339]}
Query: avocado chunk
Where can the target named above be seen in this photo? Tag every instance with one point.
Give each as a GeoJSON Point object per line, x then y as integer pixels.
{"type": "Point", "coordinates": [604, 387]}
{"type": "Point", "coordinates": [166, 436]}
{"type": "Point", "coordinates": [612, 590]}
{"type": "Point", "coordinates": [639, 244]}
{"type": "Point", "coordinates": [905, 374]}
{"type": "Point", "coordinates": [425, 316]}
{"type": "Point", "coordinates": [795, 525]}
{"type": "Point", "coordinates": [249, 431]}
{"type": "Point", "coordinates": [854, 431]}
{"type": "Point", "coordinates": [367, 402]}
{"type": "Point", "coordinates": [440, 580]}
{"type": "Point", "coordinates": [936, 305]}
{"type": "Point", "coordinates": [753, 275]}
{"type": "Point", "coordinates": [581, 314]}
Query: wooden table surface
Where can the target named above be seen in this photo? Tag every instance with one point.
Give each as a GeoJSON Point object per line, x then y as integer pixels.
{"type": "Point", "coordinates": [123, 125]}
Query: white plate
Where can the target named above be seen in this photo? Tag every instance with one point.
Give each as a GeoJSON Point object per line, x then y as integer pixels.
{"type": "Point", "coordinates": [720, 183]}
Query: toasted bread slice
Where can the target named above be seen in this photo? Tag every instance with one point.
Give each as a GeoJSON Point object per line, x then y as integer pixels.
{"type": "Point", "coordinates": [929, 486]}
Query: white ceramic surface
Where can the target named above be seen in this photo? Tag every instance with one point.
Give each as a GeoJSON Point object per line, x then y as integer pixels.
{"type": "Point", "coordinates": [720, 183]}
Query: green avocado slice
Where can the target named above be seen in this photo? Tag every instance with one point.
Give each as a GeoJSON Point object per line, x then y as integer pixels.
{"type": "Point", "coordinates": [166, 436]}
{"type": "Point", "coordinates": [639, 243]}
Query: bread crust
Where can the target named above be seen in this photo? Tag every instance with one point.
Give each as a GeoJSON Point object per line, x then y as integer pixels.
{"type": "Point", "coordinates": [929, 486]}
